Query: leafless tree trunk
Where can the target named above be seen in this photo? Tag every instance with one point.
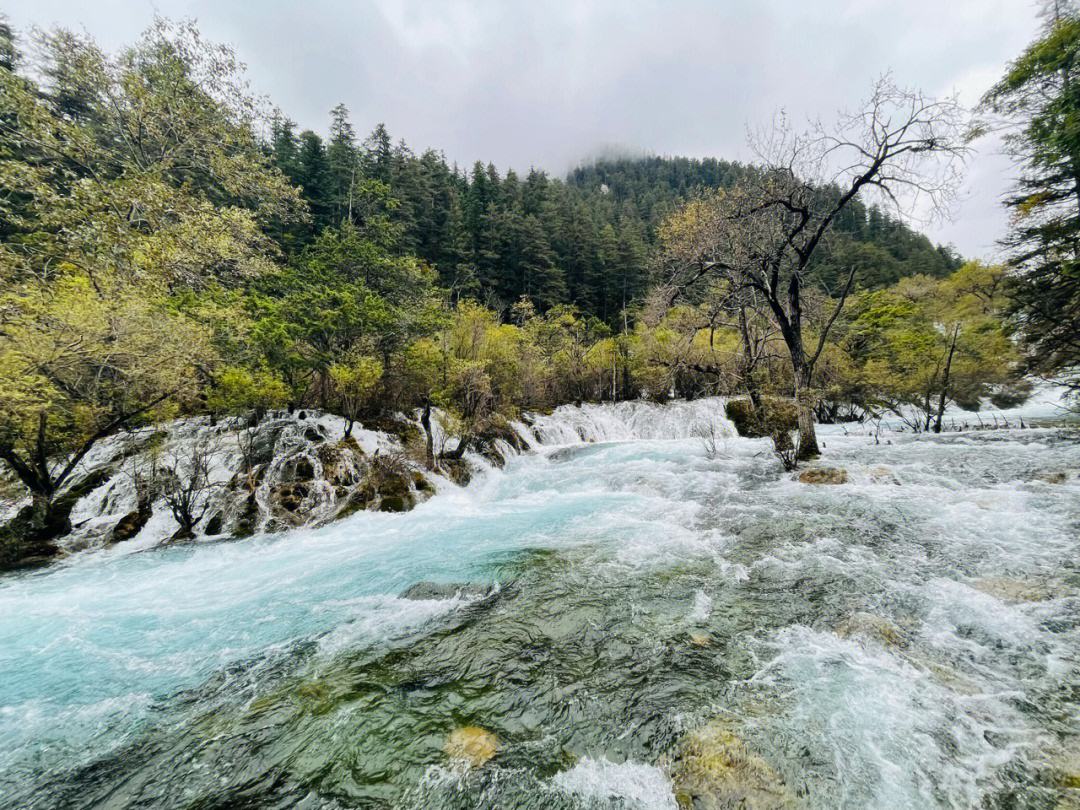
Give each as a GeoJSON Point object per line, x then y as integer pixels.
{"type": "Point", "coordinates": [943, 399]}
{"type": "Point", "coordinates": [185, 486]}
{"type": "Point", "coordinates": [763, 233]}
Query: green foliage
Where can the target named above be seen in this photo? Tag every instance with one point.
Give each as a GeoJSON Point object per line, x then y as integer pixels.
{"type": "Point", "coordinates": [925, 343]}
{"type": "Point", "coordinates": [157, 257]}
{"type": "Point", "coordinates": [132, 185]}
{"type": "Point", "coordinates": [1040, 97]}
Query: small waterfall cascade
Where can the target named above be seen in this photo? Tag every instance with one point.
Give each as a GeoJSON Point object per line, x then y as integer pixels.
{"type": "Point", "coordinates": [631, 420]}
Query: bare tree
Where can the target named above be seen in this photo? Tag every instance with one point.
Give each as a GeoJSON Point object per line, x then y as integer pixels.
{"type": "Point", "coordinates": [185, 485]}
{"type": "Point", "coordinates": [903, 147]}
{"type": "Point", "coordinates": [712, 439]}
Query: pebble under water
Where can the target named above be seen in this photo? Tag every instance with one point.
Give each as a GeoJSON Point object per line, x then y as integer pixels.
{"type": "Point", "coordinates": [637, 626]}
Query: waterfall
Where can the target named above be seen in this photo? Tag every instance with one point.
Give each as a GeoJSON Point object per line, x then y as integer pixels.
{"type": "Point", "coordinates": [634, 420]}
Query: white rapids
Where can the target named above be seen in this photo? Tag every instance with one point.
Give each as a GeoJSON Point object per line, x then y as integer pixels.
{"type": "Point", "coordinates": [908, 639]}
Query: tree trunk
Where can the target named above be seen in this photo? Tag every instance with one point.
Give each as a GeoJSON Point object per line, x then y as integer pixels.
{"type": "Point", "coordinates": [944, 398]}
{"type": "Point", "coordinates": [804, 409]}
{"type": "Point", "coordinates": [429, 440]}
{"type": "Point", "coordinates": [459, 451]}
{"type": "Point", "coordinates": [749, 363]}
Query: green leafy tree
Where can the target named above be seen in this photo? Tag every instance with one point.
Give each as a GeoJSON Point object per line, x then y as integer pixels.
{"type": "Point", "coordinates": [1039, 100]}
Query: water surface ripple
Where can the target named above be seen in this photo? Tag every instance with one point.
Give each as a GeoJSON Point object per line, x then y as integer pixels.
{"type": "Point", "coordinates": [908, 639]}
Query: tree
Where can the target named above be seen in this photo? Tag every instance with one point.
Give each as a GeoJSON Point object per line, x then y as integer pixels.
{"type": "Point", "coordinates": [141, 181]}
{"type": "Point", "coordinates": [354, 380]}
{"type": "Point", "coordinates": [924, 344]}
{"type": "Point", "coordinates": [764, 232]}
{"type": "Point", "coordinates": [1038, 103]}
{"type": "Point", "coordinates": [343, 165]}
{"type": "Point", "coordinates": [77, 367]}
{"type": "Point", "coordinates": [184, 480]}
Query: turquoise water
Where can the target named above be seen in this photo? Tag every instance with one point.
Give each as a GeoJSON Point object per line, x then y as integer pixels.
{"type": "Point", "coordinates": [286, 671]}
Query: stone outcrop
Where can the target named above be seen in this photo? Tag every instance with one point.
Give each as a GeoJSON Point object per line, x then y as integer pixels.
{"type": "Point", "coordinates": [823, 475]}
{"type": "Point", "coordinates": [775, 415]}
{"type": "Point", "coordinates": [282, 472]}
{"type": "Point", "coordinates": [471, 745]}
{"type": "Point", "coordinates": [870, 626]}
{"type": "Point", "coordinates": [713, 769]}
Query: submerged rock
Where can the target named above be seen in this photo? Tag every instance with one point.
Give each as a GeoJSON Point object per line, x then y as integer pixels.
{"type": "Point", "coordinates": [715, 770]}
{"type": "Point", "coordinates": [700, 639]}
{"type": "Point", "coordinates": [471, 745]}
{"type": "Point", "coordinates": [425, 590]}
{"type": "Point", "coordinates": [1052, 476]}
{"type": "Point", "coordinates": [873, 627]}
{"type": "Point", "coordinates": [883, 475]}
{"type": "Point", "coordinates": [1013, 591]}
{"type": "Point", "coordinates": [824, 475]}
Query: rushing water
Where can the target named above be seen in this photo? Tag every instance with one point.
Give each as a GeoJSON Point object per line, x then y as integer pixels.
{"type": "Point", "coordinates": [908, 639]}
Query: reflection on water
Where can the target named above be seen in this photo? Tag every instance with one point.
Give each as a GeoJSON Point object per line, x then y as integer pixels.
{"type": "Point", "coordinates": [666, 629]}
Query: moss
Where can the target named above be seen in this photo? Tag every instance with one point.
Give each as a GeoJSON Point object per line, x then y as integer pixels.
{"type": "Point", "coordinates": [777, 415]}
{"type": "Point", "coordinates": [823, 475]}
{"type": "Point", "coordinates": [715, 769]}
{"type": "Point", "coordinates": [471, 745]}
{"type": "Point", "coordinates": [394, 503]}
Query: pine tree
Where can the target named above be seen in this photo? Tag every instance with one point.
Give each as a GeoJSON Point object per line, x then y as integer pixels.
{"type": "Point", "coordinates": [343, 163]}
{"type": "Point", "coordinates": [313, 176]}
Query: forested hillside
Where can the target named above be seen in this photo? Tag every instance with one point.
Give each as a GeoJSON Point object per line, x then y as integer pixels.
{"type": "Point", "coordinates": [169, 247]}
{"type": "Point", "coordinates": [585, 241]}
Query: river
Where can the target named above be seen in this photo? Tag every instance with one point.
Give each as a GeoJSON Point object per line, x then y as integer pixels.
{"type": "Point", "coordinates": [907, 639]}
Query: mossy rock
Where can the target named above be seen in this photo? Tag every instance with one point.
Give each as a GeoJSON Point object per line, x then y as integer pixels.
{"type": "Point", "coordinates": [698, 639]}
{"type": "Point", "coordinates": [1052, 477]}
{"type": "Point", "coordinates": [248, 519]}
{"type": "Point", "coordinates": [395, 503]}
{"type": "Point", "coordinates": [215, 524]}
{"type": "Point", "coordinates": [341, 463]}
{"type": "Point", "coordinates": [873, 627]}
{"type": "Point", "coordinates": [457, 470]}
{"type": "Point", "coordinates": [776, 415]}
{"type": "Point", "coordinates": [425, 590]}
{"type": "Point", "coordinates": [26, 541]}
{"type": "Point", "coordinates": [289, 497]}
{"type": "Point", "coordinates": [299, 468]}
{"type": "Point", "coordinates": [823, 475]}
{"type": "Point", "coordinates": [129, 525]}
{"type": "Point", "coordinates": [471, 745]}
{"type": "Point", "coordinates": [715, 770]}
{"type": "Point", "coordinates": [407, 432]}
{"type": "Point", "coordinates": [357, 501]}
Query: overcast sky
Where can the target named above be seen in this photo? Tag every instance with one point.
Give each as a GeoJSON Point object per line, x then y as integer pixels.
{"type": "Point", "coordinates": [548, 84]}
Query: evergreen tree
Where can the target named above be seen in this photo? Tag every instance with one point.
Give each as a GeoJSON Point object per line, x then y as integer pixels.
{"type": "Point", "coordinates": [343, 164]}
{"type": "Point", "coordinates": [1040, 95]}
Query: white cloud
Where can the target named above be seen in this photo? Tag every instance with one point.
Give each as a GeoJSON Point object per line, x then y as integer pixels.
{"type": "Point", "coordinates": [546, 84]}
